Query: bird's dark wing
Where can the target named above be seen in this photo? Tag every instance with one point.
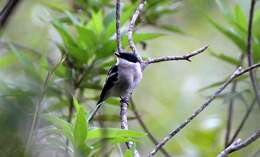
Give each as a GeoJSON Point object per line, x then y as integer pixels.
{"type": "Point", "coordinates": [112, 77]}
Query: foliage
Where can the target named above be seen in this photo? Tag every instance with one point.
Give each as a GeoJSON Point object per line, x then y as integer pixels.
{"type": "Point", "coordinates": [86, 40]}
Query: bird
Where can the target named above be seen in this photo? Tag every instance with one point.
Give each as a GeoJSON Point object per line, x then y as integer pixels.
{"type": "Point", "coordinates": [122, 79]}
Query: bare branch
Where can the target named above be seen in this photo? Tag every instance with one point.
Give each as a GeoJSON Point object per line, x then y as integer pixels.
{"type": "Point", "coordinates": [231, 106]}
{"type": "Point", "coordinates": [186, 57]}
{"type": "Point", "coordinates": [239, 144]}
{"type": "Point", "coordinates": [238, 72]}
{"type": "Point", "coordinates": [230, 114]}
{"type": "Point", "coordinates": [8, 9]}
{"type": "Point", "coordinates": [118, 34]}
{"type": "Point", "coordinates": [141, 122]}
{"type": "Point", "coordinates": [249, 110]}
{"type": "Point", "coordinates": [250, 51]}
{"type": "Point", "coordinates": [124, 123]}
{"type": "Point", "coordinates": [131, 25]}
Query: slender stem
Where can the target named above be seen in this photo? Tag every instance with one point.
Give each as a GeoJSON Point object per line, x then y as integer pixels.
{"type": "Point", "coordinates": [38, 105]}
{"type": "Point", "coordinates": [239, 144]}
{"type": "Point", "coordinates": [230, 114]}
{"type": "Point", "coordinates": [145, 128]}
{"type": "Point", "coordinates": [250, 51]}
{"type": "Point", "coordinates": [186, 57]}
{"type": "Point", "coordinates": [249, 110]}
{"type": "Point", "coordinates": [231, 107]}
{"type": "Point", "coordinates": [238, 72]}
{"type": "Point", "coordinates": [118, 34]}
{"type": "Point", "coordinates": [131, 26]}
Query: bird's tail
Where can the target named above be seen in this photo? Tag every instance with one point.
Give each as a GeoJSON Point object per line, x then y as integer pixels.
{"type": "Point", "coordinates": [93, 113]}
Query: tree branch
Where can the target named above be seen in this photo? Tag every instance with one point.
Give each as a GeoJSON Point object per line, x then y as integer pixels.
{"type": "Point", "coordinates": [186, 57]}
{"type": "Point", "coordinates": [231, 106]}
{"type": "Point", "coordinates": [131, 25]}
{"type": "Point", "coordinates": [124, 102]}
{"type": "Point", "coordinates": [249, 110]}
{"type": "Point", "coordinates": [5, 13]}
{"type": "Point", "coordinates": [141, 122]}
{"type": "Point", "coordinates": [124, 123]}
{"type": "Point", "coordinates": [238, 72]}
{"type": "Point", "coordinates": [239, 144]}
{"type": "Point", "coordinates": [230, 114]}
{"type": "Point", "coordinates": [118, 34]}
{"type": "Point", "coordinates": [250, 51]}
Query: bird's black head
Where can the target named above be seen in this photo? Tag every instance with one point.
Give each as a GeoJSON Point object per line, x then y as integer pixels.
{"type": "Point", "coordinates": [128, 56]}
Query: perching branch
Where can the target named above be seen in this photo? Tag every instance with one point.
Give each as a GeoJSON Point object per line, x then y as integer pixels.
{"type": "Point", "coordinates": [250, 52]}
{"type": "Point", "coordinates": [186, 57]}
{"type": "Point", "coordinates": [131, 25]}
{"type": "Point", "coordinates": [124, 102]}
{"type": "Point", "coordinates": [238, 72]}
{"type": "Point", "coordinates": [150, 135]}
{"type": "Point", "coordinates": [124, 123]}
{"type": "Point", "coordinates": [249, 110]}
{"type": "Point", "coordinates": [239, 144]}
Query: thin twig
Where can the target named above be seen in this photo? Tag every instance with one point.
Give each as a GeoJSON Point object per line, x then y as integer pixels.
{"type": "Point", "coordinates": [239, 144]}
{"type": "Point", "coordinates": [131, 26]}
{"type": "Point", "coordinates": [186, 57]}
{"type": "Point", "coordinates": [141, 122]}
{"type": "Point", "coordinates": [250, 51]}
{"type": "Point", "coordinates": [231, 106]}
{"type": "Point", "coordinates": [38, 105]}
{"type": "Point", "coordinates": [238, 72]}
{"type": "Point", "coordinates": [249, 110]}
{"type": "Point", "coordinates": [124, 123]}
{"type": "Point", "coordinates": [230, 114]}
{"type": "Point", "coordinates": [118, 34]}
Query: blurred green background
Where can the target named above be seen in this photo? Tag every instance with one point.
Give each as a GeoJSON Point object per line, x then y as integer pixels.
{"type": "Point", "coordinates": [167, 95]}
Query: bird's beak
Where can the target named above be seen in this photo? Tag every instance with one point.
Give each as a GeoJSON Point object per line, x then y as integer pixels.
{"type": "Point", "coordinates": [117, 54]}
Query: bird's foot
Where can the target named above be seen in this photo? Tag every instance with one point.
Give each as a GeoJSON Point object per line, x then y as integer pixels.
{"type": "Point", "coordinates": [124, 100]}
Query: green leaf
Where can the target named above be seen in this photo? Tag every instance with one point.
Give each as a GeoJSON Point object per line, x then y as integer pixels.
{"type": "Point", "coordinates": [96, 23]}
{"type": "Point", "coordinates": [222, 5]}
{"type": "Point", "coordinates": [60, 7]}
{"type": "Point", "coordinates": [72, 18]}
{"type": "Point", "coordinates": [61, 124]}
{"type": "Point", "coordinates": [86, 38]}
{"type": "Point", "coordinates": [226, 58]}
{"type": "Point", "coordinates": [80, 129]}
{"type": "Point", "coordinates": [128, 153]}
{"type": "Point", "coordinates": [240, 17]}
{"type": "Point", "coordinates": [7, 60]}
{"type": "Point", "coordinates": [113, 133]}
{"type": "Point", "coordinates": [65, 35]}
{"type": "Point", "coordinates": [233, 36]}
{"type": "Point", "coordinates": [172, 28]}
{"type": "Point", "coordinates": [26, 63]}
{"type": "Point", "coordinates": [76, 104]}
{"type": "Point", "coordinates": [77, 53]}
{"type": "Point", "coordinates": [219, 83]}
